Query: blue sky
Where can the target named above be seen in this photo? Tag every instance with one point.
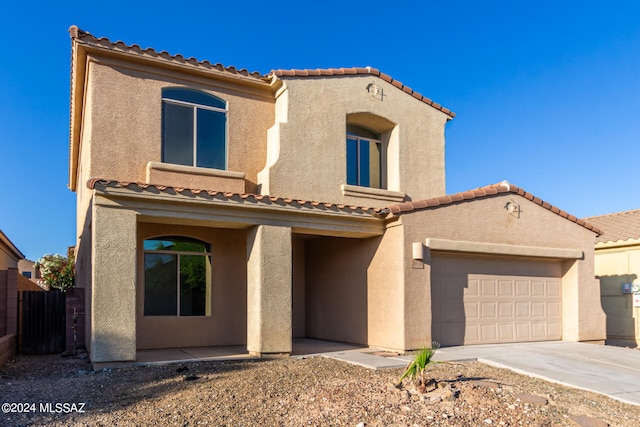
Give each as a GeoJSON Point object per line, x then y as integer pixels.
{"type": "Point", "coordinates": [547, 93]}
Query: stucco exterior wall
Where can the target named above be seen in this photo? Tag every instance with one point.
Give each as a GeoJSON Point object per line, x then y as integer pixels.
{"type": "Point", "coordinates": [487, 221]}
{"type": "Point", "coordinates": [269, 285]}
{"type": "Point", "coordinates": [307, 145]}
{"type": "Point", "coordinates": [113, 296]}
{"type": "Point", "coordinates": [336, 288]}
{"type": "Point", "coordinates": [227, 324]}
{"type": "Point", "coordinates": [124, 121]}
{"type": "Point", "coordinates": [354, 290]}
{"type": "Point", "coordinates": [616, 266]}
{"type": "Point", "coordinates": [8, 258]}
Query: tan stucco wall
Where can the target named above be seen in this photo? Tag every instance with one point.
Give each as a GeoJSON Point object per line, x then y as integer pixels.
{"type": "Point", "coordinates": [336, 288]}
{"type": "Point", "coordinates": [8, 258]}
{"type": "Point", "coordinates": [615, 266]}
{"type": "Point", "coordinates": [269, 285]}
{"type": "Point", "coordinates": [113, 296]}
{"type": "Point", "coordinates": [487, 220]}
{"type": "Point", "coordinates": [307, 149]}
{"type": "Point", "coordinates": [227, 324]}
{"type": "Point", "coordinates": [354, 290]}
{"type": "Point", "coordinates": [122, 121]}
{"type": "Point", "coordinates": [298, 248]}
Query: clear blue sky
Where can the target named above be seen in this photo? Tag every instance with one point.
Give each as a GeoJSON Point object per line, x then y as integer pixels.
{"type": "Point", "coordinates": [547, 93]}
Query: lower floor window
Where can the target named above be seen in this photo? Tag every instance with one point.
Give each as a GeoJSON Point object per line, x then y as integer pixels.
{"type": "Point", "coordinates": [177, 277]}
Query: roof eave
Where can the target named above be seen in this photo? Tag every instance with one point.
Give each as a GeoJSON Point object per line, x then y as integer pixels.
{"type": "Point", "coordinates": [77, 89]}
{"type": "Point", "coordinates": [493, 190]}
{"type": "Point", "coordinates": [4, 239]}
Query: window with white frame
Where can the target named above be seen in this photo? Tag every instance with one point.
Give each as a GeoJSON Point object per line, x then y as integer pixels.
{"type": "Point", "coordinates": [194, 128]}
{"type": "Point", "coordinates": [177, 277]}
{"type": "Point", "coordinates": [365, 158]}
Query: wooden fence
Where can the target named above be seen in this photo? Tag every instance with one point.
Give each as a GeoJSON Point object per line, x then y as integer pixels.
{"type": "Point", "coordinates": [43, 322]}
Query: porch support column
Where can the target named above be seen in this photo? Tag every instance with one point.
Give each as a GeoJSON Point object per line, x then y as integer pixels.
{"type": "Point", "coordinates": [113, 287]}
{"type": "Point", "coordinates": [269, 258]}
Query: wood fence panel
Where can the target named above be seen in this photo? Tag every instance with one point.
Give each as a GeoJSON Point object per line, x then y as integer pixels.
{"type": "Point", "coordinates": [43, 322]}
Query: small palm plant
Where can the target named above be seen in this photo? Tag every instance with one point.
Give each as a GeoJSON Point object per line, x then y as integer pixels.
{"type": "Point", "coordinates": [418, 366]}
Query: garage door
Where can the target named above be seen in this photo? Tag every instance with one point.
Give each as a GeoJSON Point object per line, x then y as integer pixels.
{"type": "Point", "coordinates": [483, 300]}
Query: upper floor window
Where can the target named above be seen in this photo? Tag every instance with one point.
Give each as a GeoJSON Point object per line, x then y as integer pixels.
{"type": "Point", "coordinates": [194, 129]}
{"type": "Point", "coordinates": [177, 277]}
{"type": "Point", "coordinates": [365, 157]}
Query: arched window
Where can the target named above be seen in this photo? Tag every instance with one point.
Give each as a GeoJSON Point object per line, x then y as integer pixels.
{"type": "Point", "coordinates": [177, 277]}
{"type": "Point", "coordinates": [194, 129]}
{"type": "Point", "coordinates": [365, 157]}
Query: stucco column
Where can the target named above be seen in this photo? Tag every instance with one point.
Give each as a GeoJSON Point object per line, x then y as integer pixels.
{"type": "Point", "coordinates": [269, 258]}
{"type": "Point", "coordinates": [113, 295]}
{"type": "Point", "coordinates": [582, 316]}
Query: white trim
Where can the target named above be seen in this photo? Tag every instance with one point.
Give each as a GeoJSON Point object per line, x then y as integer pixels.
{"type": "Point", "coordinates": [372, 193]}
{"type": "Point", "coordinates": [193, 170]}
{"type": "Point", "coordinates": [502, 249]}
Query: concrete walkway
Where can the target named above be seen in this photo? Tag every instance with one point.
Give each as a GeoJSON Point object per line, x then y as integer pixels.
{"type": "Point", "coordinates": [608, 370]}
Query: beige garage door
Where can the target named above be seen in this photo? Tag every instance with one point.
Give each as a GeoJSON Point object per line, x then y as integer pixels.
{"type": "Point", "coordinates": [483, 300]}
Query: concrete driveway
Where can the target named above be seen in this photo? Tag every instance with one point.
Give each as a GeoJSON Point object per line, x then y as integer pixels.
{"type": "Point", "coordinates": [612, 371]}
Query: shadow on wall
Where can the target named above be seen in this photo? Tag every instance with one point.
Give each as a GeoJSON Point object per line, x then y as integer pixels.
{"type": "Point", "coordinates": [622, 318]}
{"type": "Point", "coordinates": [336, 288]}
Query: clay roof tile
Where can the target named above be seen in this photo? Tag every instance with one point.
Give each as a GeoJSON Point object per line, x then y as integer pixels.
{"type": "Point", "coordinates": [490, 191]}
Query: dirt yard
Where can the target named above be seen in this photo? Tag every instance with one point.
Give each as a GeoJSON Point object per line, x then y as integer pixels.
{"type": "Point", "coordinates": [55, 391]}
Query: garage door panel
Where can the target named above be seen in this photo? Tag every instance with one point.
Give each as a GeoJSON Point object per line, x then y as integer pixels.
{"type": "Point", "coordinates": [538, 310]}
{"type": "Point", "coordinates": [553, 288]}
{"type": "Point", "coordinates": [505, 309]}
{"type": "Point", "coordinates": [523, 331]}
{"type": "Point", "coordinates": [472, 310]}
{"type": "Point", "coordinates": [488, 288]}
{"type": "Point", "coordinates": [506, 288]}
{"type": "Point", "coordinates": [522, 288]}
{"type": "Point", "coordinates": [539, 331]}
{"type": "Point", "coordinates": [554, 329]}
{"type": "Point", "coordinates": [554, 310]}
{"type": "Point", "coordinates": [506, 332]}
{"type": "Point", "coordinates": [452, 311]}
{"type": "Point", "coordinates": [538, 288]}
{"type": "Point", "coordinates": [489, 332]}
{"type": "Point", "coordinates": [480, 306]}
{"type": "Point", "coordinates": [473, 288]}
{"type": "Point", "coordinates": [522, 309]}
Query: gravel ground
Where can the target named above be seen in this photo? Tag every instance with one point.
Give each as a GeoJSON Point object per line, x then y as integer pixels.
{"type": "Point", "coordinates": [290, 392]}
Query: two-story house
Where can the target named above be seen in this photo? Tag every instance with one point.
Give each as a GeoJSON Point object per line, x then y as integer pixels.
{"type": "Point", "coordinates": [222, 207]}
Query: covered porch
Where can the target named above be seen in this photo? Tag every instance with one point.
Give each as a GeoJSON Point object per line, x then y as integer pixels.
{"type": "Point", "coordinates": [260, 251]}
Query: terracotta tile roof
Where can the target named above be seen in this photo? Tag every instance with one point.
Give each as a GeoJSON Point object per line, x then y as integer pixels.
{"type": "Point", "coordinates": [86, 37]}
{"type": "Point", "coordinates": [78, 34]}
{"type": "Point", "coordinates": [619, 226]}
{"type": "Point", "coordinates": [259, 199]}
{"type": "Point", "coordinates": [482, 192]}
{"type": "Point", "coordinates": [320, 72]}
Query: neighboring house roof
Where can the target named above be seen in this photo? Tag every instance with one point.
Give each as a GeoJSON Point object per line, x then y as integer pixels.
{"type": "Point", "coordinates": [4, 239]}
{"type": "Point", "coordinates": [482, 192]}
{"type": "Point", "coordinates": [259, 199]}
{"type": "Point", "coordinates": [619, 226]}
